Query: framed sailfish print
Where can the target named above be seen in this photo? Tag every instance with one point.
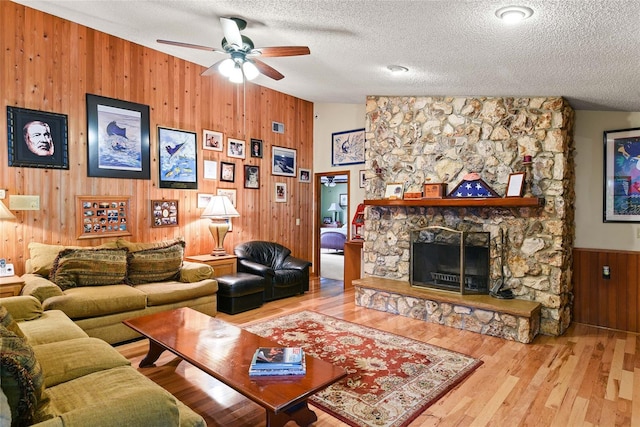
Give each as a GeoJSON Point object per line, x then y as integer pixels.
{"type": "Point", "coordinates": [178, 159]}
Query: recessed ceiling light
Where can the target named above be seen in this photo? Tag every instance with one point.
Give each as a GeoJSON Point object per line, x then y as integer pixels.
{"type": "Point", "coordinates": [397, 69]}
{"type": "Point", "coordinates": [514, 14]}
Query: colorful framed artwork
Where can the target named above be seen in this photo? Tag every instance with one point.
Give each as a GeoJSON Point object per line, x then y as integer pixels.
{"type": "Point", "coordinates": [235, 148]}
{"type": "Point", "coordinates": [621, 175]}
{"type": "Point", "coordinates": [212, 140]}
{"type": "Point", "coordinates": [164, 213]}
{"type": "Point", "coordinates": [251, 176]}
{"type": "Point", "coordinates": [281, 192]}
{"type": "Point", "coordinates": [283, 161]}
{"type": "Point", "coordinates": [37, 139]}
{"type": "Point", "coordinates": [256, 147]}
{"type": "Point", "coordinates": [515, 185]}
{"type": "Point", "coordinates": [178, 159]}
{"type": "Point", "coordinates": [230, 193]}
{"type": "Point", "coordinates": [347, 148]}
{"type": "Point", "coordinates": [227, 172]}
{"type": "Point", "coordinates": [103, 216]}
{"type": "Point", "coordinates": [117, 138]}
{"type": "Point", "coordinates": [304, 175]}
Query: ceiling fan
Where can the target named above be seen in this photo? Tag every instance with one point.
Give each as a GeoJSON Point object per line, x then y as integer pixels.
{"type": "Point", "coordinates": [242, 61]}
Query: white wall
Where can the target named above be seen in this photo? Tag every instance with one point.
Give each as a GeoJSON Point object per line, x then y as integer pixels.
{"type": "Point", "coordinates": [330, 118]}
{"type": "Point", "coordinates": [591, 231]}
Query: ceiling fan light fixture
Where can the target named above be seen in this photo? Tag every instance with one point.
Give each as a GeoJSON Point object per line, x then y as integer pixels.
{"type": "Point", "coordinates": [514, 14]}
{"type": "Point", "coordinates": [226, 67]}
{"type": "Point", "coordinates": [250, 70]}
{"type": "Point", "coordinates": [236, 74]}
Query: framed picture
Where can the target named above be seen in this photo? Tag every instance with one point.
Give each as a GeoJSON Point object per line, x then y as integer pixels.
{"type": "Point", "coordinates": [117, 138]}
{"type": "Point", "coordinates": [210, 169]}
{"type": "Point", "coordinates": [515, 185]}
{"type": "Point", "coordinates": [37, 139]}
{"type": "Point", "coordinates": [103, 216]}
{"type": "Point", "coordinates": [212, 140]}
{"type": "Point", "coordinates": [362, 175]}
{"type": "Point", "coordinates": [178, 159]}
{"type": "Point", "coordinates": [230, 193]}
{"type": "Point", "coordinates": [283, 161]}
{"type": "Point", "coordinates": [164, 213]}
{"type": "Point", "coordinates": [256, 147]}
{"type": "Point", "coordinates": [394, 191]}
{"type": "Point", "coordinates": [327, 220]}
{"type": "Point", "coordinates": [347, 148]}
{"type": "Point", "coordinates": [251, 176]}
{"type": "Point", "coordinates": [621, 175]}
{"type": "Point", "coordinates": [343, 200]}
{"type": "Point", "coordinates": [227, 172]}
{"type": "Point", "coordinates": [203, 200]}
{"type": "Point", "coordinates": [304, 175]}
{"type": "Point", "coordinates": [235, 148]}
{"type": "Point", "coordinates": [281, 192]}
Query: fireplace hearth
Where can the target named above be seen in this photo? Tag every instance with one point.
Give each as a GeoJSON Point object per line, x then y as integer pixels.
{"type": "Point", "coordinates": [451, 260]}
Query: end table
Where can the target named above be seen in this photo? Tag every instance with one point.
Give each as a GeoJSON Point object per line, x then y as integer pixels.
{"type": "Point", "coordinates": [10, 286]}
{"type": "Point", "coordinates": [222, 265]}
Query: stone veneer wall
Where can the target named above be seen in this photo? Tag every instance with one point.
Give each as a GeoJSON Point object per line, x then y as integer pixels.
{"type": "Point", "coordinates": [413, 140]}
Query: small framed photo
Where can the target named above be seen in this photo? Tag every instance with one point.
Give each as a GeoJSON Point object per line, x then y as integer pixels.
{"type": "Point", "coordinates": [177, 159]}
{"type": "Point", "coordinates": [256, 147]}
{"type": "Point", "coordinates": [227, 172]}
{"type": "Point", "coordinates": [621, 175]}
{"type": "Point", "coordinates": [210, 169]}
{"type": "Point", "coordinates": [515, 185]}
{"type": "Point", "coordinates": [304, 175]}
{"type": "Point", "coordinates": [235, 148]}
{"type": "Point", "coordinates": [103, 216]}
{"type": "Point", "coordinates": [347, 148]}
{"type": "Point", "coordinates": [203, 200]}
{"type": "Point", "coordinates": [283, 161]}
{"type": "Point", "coordinates": [37, 139]}
{"type": "Point", "coordinates": [212, 140]}
{"type": "Point", "coordinates": [230, 193]}
{"type": "Point", "coordinates": [251, 176]}
{"type": "Point", "coordinates": [362, 175]}
{"type": "Point", "coordinates": [327, 220]}
{"type": "Point", "coordinates": [281, 192]}
{"type": "Point", "coordinates": [394, 191]}
{"type": "Point", "coordinates": [117, 139]}
{"type": "Point", "coordinates": [343, 200]}
{"type": "Point", "coordinates": [164, 213]}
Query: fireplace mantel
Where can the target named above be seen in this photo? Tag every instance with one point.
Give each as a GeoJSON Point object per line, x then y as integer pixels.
{"type": "Point", "coordinates": [504, 202]}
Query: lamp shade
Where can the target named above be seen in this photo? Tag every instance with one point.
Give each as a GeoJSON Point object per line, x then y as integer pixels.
{"type": "Point", "coordinates": [334, 208]}
{"type": "Point", "coordinates": [5, 214]}
{"type": "Point", "coordinates": [220, 207]}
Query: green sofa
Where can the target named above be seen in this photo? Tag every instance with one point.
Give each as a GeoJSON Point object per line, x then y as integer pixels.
{"type": "Point", "coordinates": [56, 375]}
{"type": "Point", "coordinates": [100, 287]}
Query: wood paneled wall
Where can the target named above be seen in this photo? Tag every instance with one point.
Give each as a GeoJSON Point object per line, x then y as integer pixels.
{"type": "Point", "coordinates": [49, 64]}
{"type": "Point", "coordinates": [613, 302]}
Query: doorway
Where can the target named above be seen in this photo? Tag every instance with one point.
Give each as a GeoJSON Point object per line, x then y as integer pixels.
{"type": "Point", "coordinates": [332, 223]}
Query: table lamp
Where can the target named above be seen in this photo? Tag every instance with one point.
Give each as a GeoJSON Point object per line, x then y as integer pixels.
{"type": "Point", "coordinates": [5, 214]}
{"type": "Point", "coordinates": [335, 209]}
{"type": "Point", "coordinates": [219, 210]}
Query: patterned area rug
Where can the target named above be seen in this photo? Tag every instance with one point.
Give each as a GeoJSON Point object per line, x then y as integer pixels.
{"type": "Point", "coordinates": [392, 379]}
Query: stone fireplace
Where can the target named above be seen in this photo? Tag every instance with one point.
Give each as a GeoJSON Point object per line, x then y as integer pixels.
{"type": "Point", "coordinates": [417, 140]}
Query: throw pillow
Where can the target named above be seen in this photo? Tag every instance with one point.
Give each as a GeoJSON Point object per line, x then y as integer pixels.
{"type": "Point", "coordinates": [89, 267]}
{"type": "Point", "coordinates": [42, 256]}
{"type": "Point", "coordinates": [155, 265]}
{"type": "Point", "coordinates": [7, 321]}
{"type": "Point", "coordinates": [21, 377]}
{"type": "Point", "coordinates": [135, 246]}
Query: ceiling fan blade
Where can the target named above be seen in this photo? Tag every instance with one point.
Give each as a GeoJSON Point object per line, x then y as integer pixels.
{"type": "Point", "coordinates": [193, 46]}
{"type": "Point", "coordinates": [213, 69]}
{"type": "Point", "coordinates": [231, 32]}
{"type": "Point", "coordinates": [267, 70]}
{"type": "Point", "coordinates": [268, 52]}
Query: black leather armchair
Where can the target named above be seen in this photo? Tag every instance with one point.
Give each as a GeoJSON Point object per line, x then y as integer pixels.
{"type": "Point", "coordinates": [284, 275]}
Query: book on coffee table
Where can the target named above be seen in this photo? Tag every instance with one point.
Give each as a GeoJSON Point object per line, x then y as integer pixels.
{"type": "Point", "coordinates": [278, 361]}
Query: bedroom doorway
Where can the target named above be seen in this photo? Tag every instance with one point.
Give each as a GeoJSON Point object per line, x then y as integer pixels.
{"type": "Point", "coordinates": [332, 223]}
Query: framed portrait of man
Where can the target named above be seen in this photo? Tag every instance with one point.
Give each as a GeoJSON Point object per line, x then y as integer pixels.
{"type": "Point", "coordinates": [37, 139]}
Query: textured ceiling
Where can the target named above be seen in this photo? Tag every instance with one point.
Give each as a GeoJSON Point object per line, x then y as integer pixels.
{"type": "Point", "coordinates": [584, 50]}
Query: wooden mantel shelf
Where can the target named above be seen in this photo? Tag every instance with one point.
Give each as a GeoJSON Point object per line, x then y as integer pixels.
{"type": "Point", "coordinates": [501, 202]}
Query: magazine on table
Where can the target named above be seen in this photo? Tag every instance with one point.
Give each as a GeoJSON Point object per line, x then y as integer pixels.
{"type": "Point", "coordinates": [298, 369]}
{"type": "Point", "coordinates": [277, 357]}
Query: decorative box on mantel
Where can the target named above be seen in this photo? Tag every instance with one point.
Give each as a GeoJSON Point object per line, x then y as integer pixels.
{"type": "Point", "coordinates": [435, 190]}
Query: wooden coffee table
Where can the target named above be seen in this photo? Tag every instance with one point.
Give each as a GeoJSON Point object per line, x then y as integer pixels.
{"type": "Point", "coordinates": [224, 351]}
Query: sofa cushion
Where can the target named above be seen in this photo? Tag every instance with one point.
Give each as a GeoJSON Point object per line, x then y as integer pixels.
{"type": "Point", "coordinates": [172, 292]}
{"type": "Point", "coordinates": [195, 271]}
{"type": "Point", "coordinates": [42, 256]}
{"type": "Point", "coordinates": [89, 267]}
{"type": "Point", "coordinates": [155, 265]}
{"type": "Point", "coordinates": [23, 307]}
{"type": "Point", "coordinates": [141, 246]}
{"type": "Point", "coordinates": [92, 301]}
{"type": "Point", "coordinates": [7, 321]}
{"type": "Point", "coordinates": [52, 326]}
{"type": "Point", "coordinates": [64, 361]}
{"type": "Point", "coordinates": [21, 377]}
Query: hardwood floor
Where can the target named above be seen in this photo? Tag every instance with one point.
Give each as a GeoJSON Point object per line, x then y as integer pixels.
{"type": "Point", "coordinates": [587, 377]}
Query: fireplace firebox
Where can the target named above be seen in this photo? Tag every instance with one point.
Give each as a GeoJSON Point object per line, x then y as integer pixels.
{"type": "Point", "coordinates": [452, 260]}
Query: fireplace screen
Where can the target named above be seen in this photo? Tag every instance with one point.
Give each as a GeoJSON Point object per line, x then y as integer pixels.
{"type": "Point", "coordinates": [443, 258]}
